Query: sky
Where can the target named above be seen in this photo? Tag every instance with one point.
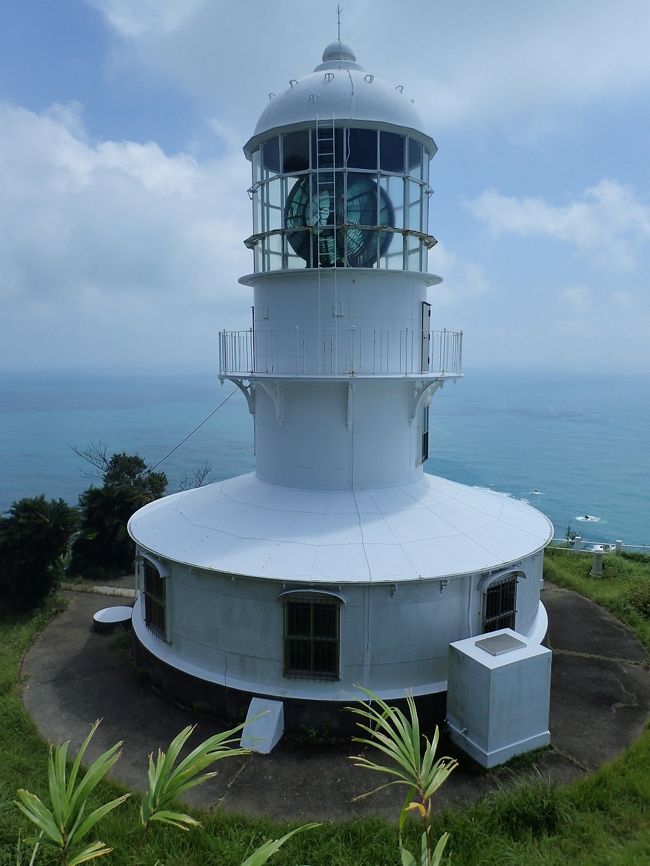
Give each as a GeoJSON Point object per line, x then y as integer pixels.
{"type": "Point", "coordinates": [123, 203]}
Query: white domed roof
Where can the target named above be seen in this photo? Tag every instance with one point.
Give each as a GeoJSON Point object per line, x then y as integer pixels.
{"type": "Point", "coordinates": [340, 88]}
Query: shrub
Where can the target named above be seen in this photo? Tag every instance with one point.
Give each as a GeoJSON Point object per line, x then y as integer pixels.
{"type": "Point", "coordinates": [33, 542]}
{"type": "Point", "coordinates": [637, 599]}
{"type": "Point", "coordinates": [103, 546]}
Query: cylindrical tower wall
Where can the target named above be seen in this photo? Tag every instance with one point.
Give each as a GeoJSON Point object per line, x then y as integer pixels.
{"type": "Point", "coordinates": [393, 638]}
{"type": "Point", "coordinates": [340, 322]}
{"type": "Point", "coordinates": [342, 434]}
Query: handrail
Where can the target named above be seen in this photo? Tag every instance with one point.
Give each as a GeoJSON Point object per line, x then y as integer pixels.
{"type": "Point", "coordinates": [337, 352]}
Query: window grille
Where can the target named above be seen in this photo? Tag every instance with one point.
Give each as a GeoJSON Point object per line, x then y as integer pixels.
{"type": "Point", "coordinates": [154, 600]}
{"type": "Point", "coordinates": [500, 604]}
{"type": "Point", "coordinates": [311, 638]}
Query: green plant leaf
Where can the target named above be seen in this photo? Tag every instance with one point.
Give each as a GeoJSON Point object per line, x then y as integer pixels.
{"type": "Point", "coordinates": [31, 806]}
{"type": "Point", "coordinates": [176, 819]}
{"type": "Point", "coordinates": [272, 846]}
{"type": "Point", "coordinates": [64, 825]}
{"type": "Point", "coordinates": [167, 780]}
{"type": "Point", "coordinates": [56, 772]}
{"type": "Point", "coordinates": [79, 831]}
{"type": "Point", "coordinates": [439, 850]}
{"type": "Point", "coordinates": [76, 764]}
{"type": "Point", "coordinates": [97, 849]}
{"type": "Point", "coordinates": [93, 776]}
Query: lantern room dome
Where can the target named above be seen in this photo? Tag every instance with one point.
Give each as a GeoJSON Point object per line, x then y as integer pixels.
{"type": "Point", "coordinates": [340, 89]}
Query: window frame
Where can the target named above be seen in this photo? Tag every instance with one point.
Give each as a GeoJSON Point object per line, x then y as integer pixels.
{"type": "Point", "coordinates": [314, 599]}
{"type": "Point", "coordinates": [406, 250]}
{"type": "Point", "coordinates": [505, 615]}
{"type": "Point", "coordinates": [154, 604]}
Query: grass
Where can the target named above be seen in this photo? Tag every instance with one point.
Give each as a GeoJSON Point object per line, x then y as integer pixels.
{"type": "Point", "coordinates": [624, 588]}
{"type": "Point", "coordinates": [603, 820]}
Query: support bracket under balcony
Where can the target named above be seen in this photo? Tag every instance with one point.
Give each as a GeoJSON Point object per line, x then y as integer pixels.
{"type": "Point", "coordinates": [246, 387]}
{"type": "Point", "coordinates": [273, 389]}
{"type": "Point", "coordinates": [423, 389]}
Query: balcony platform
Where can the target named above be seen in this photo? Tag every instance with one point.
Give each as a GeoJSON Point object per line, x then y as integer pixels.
{"type": "Point", "coordinates": [310, 353]}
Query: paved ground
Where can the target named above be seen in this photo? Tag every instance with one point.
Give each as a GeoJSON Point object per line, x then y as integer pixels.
{"type": "Point", "coordinates": [600, 702]}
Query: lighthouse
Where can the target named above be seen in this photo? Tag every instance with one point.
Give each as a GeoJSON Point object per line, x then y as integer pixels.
{"type": "Point", "coordinates": [339, 562]}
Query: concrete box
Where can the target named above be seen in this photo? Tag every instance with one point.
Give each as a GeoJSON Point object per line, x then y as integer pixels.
{"type": "Point", "coordinates": [498, 696]}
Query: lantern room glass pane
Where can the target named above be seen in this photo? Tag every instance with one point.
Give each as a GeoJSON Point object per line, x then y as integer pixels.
{"type": "Point", "coordinates": [394, 188]}
{"type": "Point", "coordinates": [295, 153]}
{"type": "Point", "coordinates": [415, 158]}
{"type": "Point", "coordinates": [271, 155]}
{"type": "Point", "coordinates": [413, 262]}
{"type": "Point", "coordinates": [327, 147]}
{"type": "Point", "coordinates": [362, 148]}
{"type": "Point", "coordinates": [273, 192]}
{"type": "Point", "coordinates": [391, 152]}
{"type": "Point", "coordinates": [414, 206]}
{"type": "Point", "coordinates": [257, 165]}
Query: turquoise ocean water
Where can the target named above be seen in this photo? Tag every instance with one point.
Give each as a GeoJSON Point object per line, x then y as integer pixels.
{"type": "Point", "coordinates": [572, 446]}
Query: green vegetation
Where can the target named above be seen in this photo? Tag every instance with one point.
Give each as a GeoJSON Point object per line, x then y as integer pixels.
{"type": "Point", "coordinates": [411, 764]}
{"type": "Point", "coordinates": [603, 820]}
{"type": "Point", "coordinates": [103, 547]}
{"type": "Point", "coordinates": [623, 589]}
{"type": "Point", "coordinates": [166, 782]}
{"type": "Point", "coordinates": [66, 822]}
{"type": "Point", "coordinates": [34, 538]}
{"type": "Point", "coordinates": [64, 825]}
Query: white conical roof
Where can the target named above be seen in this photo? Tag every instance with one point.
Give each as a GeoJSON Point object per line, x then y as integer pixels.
{"type": "Point", "coordinates": [340, 89]}
{"type": "Point", "coordinates": [429, 529]}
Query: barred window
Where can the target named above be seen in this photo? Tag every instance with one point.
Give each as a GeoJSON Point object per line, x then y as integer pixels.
{"type": "Point", "coordinates": [154, 600]}
{"type": "Point", "coordinates": [500, 604]}
{"type": "Point", "coordinates": [311, 637]}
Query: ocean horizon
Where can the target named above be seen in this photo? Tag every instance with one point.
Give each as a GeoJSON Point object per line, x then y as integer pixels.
{"type": "Point", "coordinates": [575, 446]}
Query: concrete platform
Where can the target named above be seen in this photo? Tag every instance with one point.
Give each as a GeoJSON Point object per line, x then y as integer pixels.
{"type": "Point", "coordinates": [600, 703]}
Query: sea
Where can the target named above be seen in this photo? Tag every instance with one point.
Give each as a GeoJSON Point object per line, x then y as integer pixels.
{"type": "Point", "coordinates": [575, 446]}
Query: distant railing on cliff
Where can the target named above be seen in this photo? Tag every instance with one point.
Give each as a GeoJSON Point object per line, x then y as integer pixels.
{"type": "Point", "coordinates": [582, 545]}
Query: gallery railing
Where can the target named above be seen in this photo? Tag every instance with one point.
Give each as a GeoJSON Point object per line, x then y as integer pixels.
{"type": "Point", "coordinates": [338, 352]}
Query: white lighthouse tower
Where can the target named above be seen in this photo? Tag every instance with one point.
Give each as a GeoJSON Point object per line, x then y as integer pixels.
{"type": "Point", "coordinates": [339, 561]}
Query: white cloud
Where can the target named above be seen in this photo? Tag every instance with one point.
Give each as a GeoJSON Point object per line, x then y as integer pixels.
{"type": "Point", "coordinates": [115, 251]}
{"type": "Point", "coordinates": [463, 281]}
{"type": "Point", "coordinates": [465, 63]}
{"type": "Point", "coordinates": [146, 17]}
{"type": "Point", "coordinates": [576, 299]}
{"type": "Point", "coordinates": [608, 222]}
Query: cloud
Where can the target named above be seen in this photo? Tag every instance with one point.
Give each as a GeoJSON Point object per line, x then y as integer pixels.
{"type": "Point", "coordinates": [115, 250]}
{"type": "Point", "coordinates": [465, 64]}
{"type": "Point", "coordinates": [146, 17]}
{"type": "Point", "coordinates": [608, 222]}
{"type": "Point", "coordinates": [463, 281]}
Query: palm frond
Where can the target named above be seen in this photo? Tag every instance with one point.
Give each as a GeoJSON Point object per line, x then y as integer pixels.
{"type": "Point", "coordinates": [168, 778]}
{"type": "Point", "coordinates": [272, 846]}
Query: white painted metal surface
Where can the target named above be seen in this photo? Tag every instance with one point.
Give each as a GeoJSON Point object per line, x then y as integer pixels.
{"type": "Point", "coordinates": [117, 615]}
{"type": "Point", "coordinates": [338, 372]}
{"type": "Point", "coordinates": [431, 528]}
{"type": "Point", "coordinates": [341, 88]}
{"type": "Point", "coordinates": [498, 704]}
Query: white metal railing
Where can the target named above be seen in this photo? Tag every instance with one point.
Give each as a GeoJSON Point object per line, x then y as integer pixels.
{"type": "Point", "coordinates": [584, 545]}
{"type": "Point", "coordinates": [338, 352]}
